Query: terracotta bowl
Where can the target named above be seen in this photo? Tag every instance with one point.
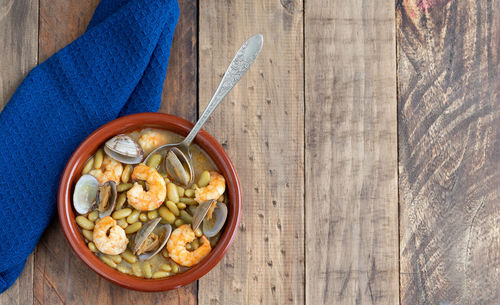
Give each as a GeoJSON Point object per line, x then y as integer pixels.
{"type": "Point", "coordinates": [127, 124]}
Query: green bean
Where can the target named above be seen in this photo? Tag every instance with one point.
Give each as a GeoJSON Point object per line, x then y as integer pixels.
{"type": "Point", "coordinates": [122, 187]}
{"type": "Point", "coordinates": [136, 226]}
{"type": "Point", "coordinates": [129, 257]}
{"type": "Point", "coordinates": [180, 191]}
{"type": "Point", "coordinates": [88, 234]}
{"type": "Point", "coordinates": [204, 179]}
{"type": "Point", "coordinates": [189, 193]}
{"type": "Point", "coordinates": [179, 222]}
{"type": "Point", "coordinates": [172, 207]}
{"type": "Point", "coordinates": [92, 247]}
{"type": "Point", "coordinates": [127, 171]}
{"type": "Point", "coordinates": [108, 261]}
{"type": "Point", "coordinates": [123, 269]}
{"type": "Point", "coordinates": [99, 155]}
{"type": "Point", "coordinates": [121, 201]}
{"type": "Point", "coordinates": [134, 217]}
{"type": "Point", "coordinates": [93, 216]}
{"type": "Point", "coordinates": [166, 214]}
{"type": "Point", "coordinates": [161, 274]}
{"type": "Point", "coordinates": [188, 201]}
{"type": "Point", "coordinates": [152, 214]}
{"type": "Point", "coordinates": [121, 213]}
{"type": "Point", "coordinates": [88, 166]}
{"type": "Point", "coordinates": [172, 193]}
{"type": "Point", "coordinates": [154, 161]}
{"type": "Point", "coordinates": [84, 223]}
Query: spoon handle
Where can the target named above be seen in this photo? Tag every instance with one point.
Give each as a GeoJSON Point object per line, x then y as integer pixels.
{"type": "Point", "coordinates": [240, 64]}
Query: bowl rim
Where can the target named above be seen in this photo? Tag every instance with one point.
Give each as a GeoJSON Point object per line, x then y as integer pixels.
{"type": "Point", "coordinates": [126, 124]}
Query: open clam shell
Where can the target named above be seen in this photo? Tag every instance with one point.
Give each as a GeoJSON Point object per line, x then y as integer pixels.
{"type": "Point", "coordinates": [214, 225]}
{"type": "Point", "coordinates": [174, 167]}
{"type": "Point", "coordinates": [106, 198]}
{"type": "Point", "coordinates": [85, 194]}
{"type": "Point", "coordinates": [124, 149]}
{"type": "Point", "coordinates": [161, 235]}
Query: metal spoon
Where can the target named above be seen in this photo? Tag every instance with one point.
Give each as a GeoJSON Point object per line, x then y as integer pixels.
{"type": "Point", "coordinates": [179, 153]}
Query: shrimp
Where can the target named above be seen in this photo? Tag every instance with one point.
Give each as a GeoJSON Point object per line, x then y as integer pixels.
{"type": "Point", "coordinates": [109, 237]}
{"type": "Point", "coordinates": [213, 190]}
{"type": "Point", "coordinates": [112, 171]}
{"type": "Point", "coordinates": [151, 140]}
{"type": "Point", "coordinates": [147, 200]}
{"type": "Point", "coordinates": [176, 247]}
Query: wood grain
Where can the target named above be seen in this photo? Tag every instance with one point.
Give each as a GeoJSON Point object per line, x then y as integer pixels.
{"type": "Point", "coordinates": [449, 151]}
{"type": "Point", "coordinates": [18, 55]}
{"type": "Point", "coordinates": [260, 124]}
{"type": "Point", "coordinates": [60, 277]}
{"type": "Point", "coordinates": [351, 153]}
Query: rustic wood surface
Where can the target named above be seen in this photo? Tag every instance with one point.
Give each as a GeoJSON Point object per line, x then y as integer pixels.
{"type": "Point", "coordinates": [260, 125]}
{"type": "Point", "coordinates": [18, 55]}
{"type": "Point", "coordinates": [344, 94]}
{"type": "Point", "coordinates": [449, 152]}
{"type": "Point", "coordinates": [351, 153]}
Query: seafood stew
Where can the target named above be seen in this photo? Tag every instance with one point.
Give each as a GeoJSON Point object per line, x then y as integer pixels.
{"type": "Point", "coordinates": [139, 220]}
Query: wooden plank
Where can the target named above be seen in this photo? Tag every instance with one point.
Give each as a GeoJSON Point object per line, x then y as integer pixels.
{"type": "Point", "coordinates": [449, 113]}
{"type": "Point", "coordinates": [60, 277]}
{"type": "Point", "coordinates": [18, 49]}
{"type": "Point", "coordinates": [260, 124]}
{"type": "Point", "coordinates": [351, 153]}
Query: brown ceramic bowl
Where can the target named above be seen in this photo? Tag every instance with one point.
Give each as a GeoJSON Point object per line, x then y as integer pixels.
{"type": "Point", "coordinates": [127, 124]}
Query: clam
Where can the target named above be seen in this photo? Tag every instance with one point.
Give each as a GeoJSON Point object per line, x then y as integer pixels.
{"type": "Point", "coordinates": [212, 214]}
{"type": "Point", "coordinates": [175, 168]}
{"type": "Point", "coordinates": [124, 149]}
{"type": "Point", "coordinates": [106, 198]}
{"type": "Point", "coordinates": [151, 238]}
{"type": "Point", "coordinates": [85, 193]}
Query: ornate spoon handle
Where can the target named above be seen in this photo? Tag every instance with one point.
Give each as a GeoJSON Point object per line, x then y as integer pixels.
{"type": "Point", "coordinates": [240, 64]}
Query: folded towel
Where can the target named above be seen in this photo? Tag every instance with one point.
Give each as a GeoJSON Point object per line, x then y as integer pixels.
{"type": "Point", "coordinates": [116, 68]}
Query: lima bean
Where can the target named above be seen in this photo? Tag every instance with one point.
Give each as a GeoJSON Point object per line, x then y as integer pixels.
{"type": "Point", "coordinates": [172, 207]}
{"type": "Point", "coordinates": [154, 161]}
{"type": "Point", "coordinates": [88, 234]}
{"type": "Point", "coordinates": [204, 179]}
{"type": "Point", "coordinates": [116, 258]}
{"type": "Point", "coordinates": [121, 201]}
{"type": "Point", "coordinates": [84, 223]}
{"type": "Point", "coordinates": [88, 166]}
{"type": "Point", "coordinates": [92, 247]}
{"type": "Point", "coordinates": [133, 217]}
{"type": "Point", "coordinates": [180, 191]}
{"type": "Point", "coordinates": [99, 155]}
{"type": "Point", "coordinates": [136, 226]}
{"type": "Point", "coordinates": [189, 193]}
{"type": "Point", "coordinates": [166, 214]}
{"type": "Point", "coordinates": [152, 214]}
{"type": "Point", "coordinates": [179, 222]}
{"type": "Point", "coordinates": [127, 171]}
{"type": "Point", "coordinates": [172, 193]}
{"type": "Point", "coordinates": [147, 268]}
{"type": "Point", "coordinates": [93, 216]}
{"type": "Point", "coordinates": [166, 267]}
{"type": "Point", "coordinates": [121, 213]}
{"type": "Point", "coordinates": [143, 217]}
{"type": "Point", "coordinates": [161, 274]}
{"type": "Point", "coordinates": [122, 187]}
{"type": "Point", "coordinates": [188, 201]}
{"type": "Point", "coordinates": [181, 205]}
{"type": "Point", "coordinates": [108, 261]}
{"type": "Point", "coordinates": [122, 223]}
{"type": "Point", "coordinates": [129, 257]}
{"type": "Point", "coordinates": [136, 269]}
{"type": "Point", "coordinates": [123, 269]}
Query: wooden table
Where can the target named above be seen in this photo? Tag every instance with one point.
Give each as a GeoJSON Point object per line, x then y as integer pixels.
{"type": "Point", "coordinates": [365, 136]}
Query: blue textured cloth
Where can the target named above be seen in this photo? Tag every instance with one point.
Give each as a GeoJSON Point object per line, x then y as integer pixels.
{"type": "Point", "coordinates": [116, 68]}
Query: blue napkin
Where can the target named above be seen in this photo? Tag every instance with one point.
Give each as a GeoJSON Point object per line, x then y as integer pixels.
{"type": "Point", "coordinates": [116, 68]}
